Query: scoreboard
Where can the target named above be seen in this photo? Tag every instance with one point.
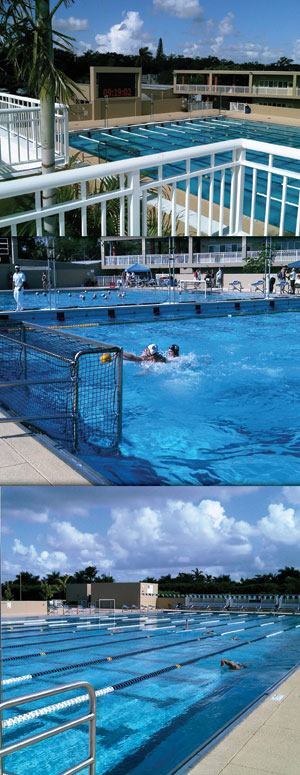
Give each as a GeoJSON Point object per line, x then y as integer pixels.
{"type": "Point", "coordinates": [116, 85]}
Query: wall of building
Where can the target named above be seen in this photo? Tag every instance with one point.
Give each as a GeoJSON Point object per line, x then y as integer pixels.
{"type": "Point", "coordinates": [127, 593]}
{"type": "Point", "coordinates": [77, 593]}
{"type": "Point", "coordinates": [22, 608]}
{"type": "Point", "coordinates": [67, 275]}
{"type": "Point", "coordinates": [170, 602]}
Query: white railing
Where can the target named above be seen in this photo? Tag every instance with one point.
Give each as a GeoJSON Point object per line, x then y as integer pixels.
{"type": "Point", "coordinates": [17, 101]}
{"type": "Point", "coordinates": [267, 91]}
{"type": "Point", "coordinates": [20, 132]}
{"type": "Point", "coordinates": [213, 193]}
{"type": "Point", "coordinates": [273, 91]}
{"type": "Point", "coordinates": [151, 260]}
{"type": "Point", "coordinates": [211, 259]}
{"type": "Point", "coordinates": [191, 88]}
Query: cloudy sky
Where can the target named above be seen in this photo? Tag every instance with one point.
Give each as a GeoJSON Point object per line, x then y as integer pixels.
{"type": "Point", "coordinates": [236, 30]}
{"type": "Point", "coordinates": [134, 532]}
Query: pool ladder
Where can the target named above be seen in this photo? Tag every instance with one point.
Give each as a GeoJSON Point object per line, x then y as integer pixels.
{"type": "Point", "coordinates": [90, 762]}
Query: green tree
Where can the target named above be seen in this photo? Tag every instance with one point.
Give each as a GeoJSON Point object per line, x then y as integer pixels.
{"type": "Point", "coordinates": [263, 261]}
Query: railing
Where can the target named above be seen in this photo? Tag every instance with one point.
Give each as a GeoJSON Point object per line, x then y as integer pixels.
{"type": "Point", "coordinates": [17, 101]}
{"type": "Point", "coordinates": [20, 131]}
{"type": "Point", "coordinates": [211, 179]}
{"type": "Point", "coordinates": [88, 718]}
{"type": "Point", "coordinates": [211, 259]}
{"type": "Point", "coordinates": [151, 260]}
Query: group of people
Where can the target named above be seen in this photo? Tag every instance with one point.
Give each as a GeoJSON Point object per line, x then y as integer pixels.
{"type": "Point", "coordinates": [151, 354]}
{"type": "Point", "coordinates": [288, 279]}
{"type": "Point", "coordinates": [212, 279]}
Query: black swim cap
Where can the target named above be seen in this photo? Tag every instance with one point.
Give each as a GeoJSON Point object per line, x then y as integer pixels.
{"type": "Point", "coordinates": [174, 348]}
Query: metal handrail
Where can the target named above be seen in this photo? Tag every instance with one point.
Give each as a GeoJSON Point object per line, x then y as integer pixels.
{"type": "Point", "coordinates": [90, 717]}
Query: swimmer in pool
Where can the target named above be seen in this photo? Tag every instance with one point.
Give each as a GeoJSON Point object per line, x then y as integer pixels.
{"type": "Point", "coordinates": [151, 354]}
{"type": "Point", "coordinates": [173, 351]}
{"type": "Point", "coordinates": [232, 665]}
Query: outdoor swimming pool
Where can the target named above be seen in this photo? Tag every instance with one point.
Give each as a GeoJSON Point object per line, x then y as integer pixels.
{"type": "Point", "coordinates": [169, 695]}
{"type": "Point", "coordinates": [145, 139]}
{"type": "Point", "coordinates": [224, 412]}
{"type": "Point", "coordinates": [99, 297]}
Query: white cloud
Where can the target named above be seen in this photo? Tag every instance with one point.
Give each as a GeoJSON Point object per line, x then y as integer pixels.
{"type": "Point", "coordinates": [30, 515]}
{"type": "Point", "coordinates": [282, 525]}
{"type": "Point", "coordinates": [226, 24]}
{"type": "Point", "coordinates": [72, 24]}
{"type": "Point", "coordinates": [43, 561]}
{"type": "Point", "coordinates": [225, 28]}
{"type": "Point", "coordinates": [126, 37]}
{"type": "Point", "coordinates": [69, 536]}
{"type": "Point", "coordinates": [183, 9]}
{"type": "Point", "coordinates": [181, 534]}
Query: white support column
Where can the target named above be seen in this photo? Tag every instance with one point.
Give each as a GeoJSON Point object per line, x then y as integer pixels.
{"type": "Point", "coordinates": [134, 227]}
{"type": "Point", "coordinates": [241, 154]}
{"type": "Point", "coordinates": [268, 200]}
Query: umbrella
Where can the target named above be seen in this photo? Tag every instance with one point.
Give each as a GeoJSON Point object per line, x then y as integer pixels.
{"type": "Point", "coordinates": [295, 264]}
{"type": "Point", "coordinates": [137, 268]}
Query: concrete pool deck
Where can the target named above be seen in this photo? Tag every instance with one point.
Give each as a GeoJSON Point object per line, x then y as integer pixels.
{"type": "Point", "coordinates": [266, 741]}
{"type": "Point", "coordinates": [25, 458]}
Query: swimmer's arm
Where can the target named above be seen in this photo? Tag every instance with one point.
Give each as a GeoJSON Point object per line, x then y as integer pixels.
{"type": "Point", "coordinates": [132, 357]}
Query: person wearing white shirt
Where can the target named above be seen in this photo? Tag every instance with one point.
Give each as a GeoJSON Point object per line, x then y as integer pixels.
{"type": "Point", "coordinates": [18, 284]}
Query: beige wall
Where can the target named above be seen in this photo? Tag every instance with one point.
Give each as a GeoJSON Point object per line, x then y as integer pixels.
{"type": "Point", "coordinates": [10, 608]}
{"type": "Point", "coordinates": [170, 602]}
{"type": "Point", "coordinates": [124, 593]}
{"type": "Point", "coordinates": [116, 108]}
{"type": "Point", "coordinates": [272, 110]}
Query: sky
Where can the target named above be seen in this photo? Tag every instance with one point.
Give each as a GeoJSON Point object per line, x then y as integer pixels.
{"type": "Point", "coordinates": [149, 531]}
{"type": "Point", "coordinates": [233, 29]}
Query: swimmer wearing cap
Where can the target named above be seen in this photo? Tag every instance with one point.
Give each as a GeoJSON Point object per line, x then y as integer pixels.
{"type": "Point", "coordinates": [173, 351]}
{"type": "Point", "coordinates": [150, 354]}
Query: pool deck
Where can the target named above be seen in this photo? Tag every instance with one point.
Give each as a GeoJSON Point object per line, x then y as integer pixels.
{"type": "Point", "coordinates": [25, 458]}
{"type": "Point", "coordinates": [266, 741]}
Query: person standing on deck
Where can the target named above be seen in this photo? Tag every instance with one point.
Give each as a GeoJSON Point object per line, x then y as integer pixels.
{"type": "Point", "coordinates": [19, 280]}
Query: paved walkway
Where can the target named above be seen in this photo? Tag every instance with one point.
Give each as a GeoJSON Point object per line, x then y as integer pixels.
{"type": "Point", "coordinates": [266, 742]}
{"type": "Point", "coordinates": [24, 459]}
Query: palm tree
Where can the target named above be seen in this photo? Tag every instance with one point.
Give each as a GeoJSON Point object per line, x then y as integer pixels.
{"type": "Point", "coordinates": [28, 40]}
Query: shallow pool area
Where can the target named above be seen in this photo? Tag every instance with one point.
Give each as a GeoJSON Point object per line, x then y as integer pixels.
{"type": "Point", "coordinates": [169, 695]}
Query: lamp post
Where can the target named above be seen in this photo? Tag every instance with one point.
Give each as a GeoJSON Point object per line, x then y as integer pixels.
{"type": "Point", "coordinates": [268, 256]}
{"type": "Point", "coordinates": [106, 111]}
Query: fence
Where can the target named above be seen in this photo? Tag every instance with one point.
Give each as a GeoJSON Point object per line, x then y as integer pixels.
{"type": "Point", "coordinates": [68, 386]}
{"type": "Point", "coordinates": [228, 187]}
{"type": "Point", "coordinates": [20, 131]}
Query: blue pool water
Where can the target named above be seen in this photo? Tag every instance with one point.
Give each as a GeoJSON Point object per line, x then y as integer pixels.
{"type": "Point", "coordinates": [142, 140]}
{"type": "Point", "coordinates": [80, 297]}
{"type": "Point", "coordinates": [225, 412]}
{"type": "Point", "coordinates": [151, 721]}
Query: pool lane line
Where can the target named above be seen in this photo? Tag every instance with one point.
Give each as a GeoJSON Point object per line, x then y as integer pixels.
{"type": "Point", "coordinates": [46, 634]}
{"type": "Point", "coordinates": [14, 632]}
{"type": "Point", "coordinates": [15, 720]}
{"type": "Point", "coordinates": [162, 631]}
{"type": "Point", "coordinates": [126, 655]}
